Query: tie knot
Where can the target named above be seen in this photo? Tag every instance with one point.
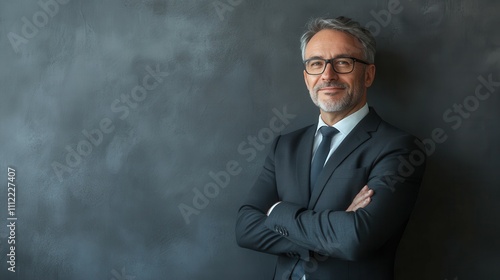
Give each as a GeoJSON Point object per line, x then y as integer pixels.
{"type": "Point", "coordinates": [328, 131]}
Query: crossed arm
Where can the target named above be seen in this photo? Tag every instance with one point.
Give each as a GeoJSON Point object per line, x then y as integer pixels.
{"type": "Point", "coordinates": [377, 212]}
{"type": "Point", "coordinates": [272, 243]}
{"type": "Point", "coordinates": [362, 199]}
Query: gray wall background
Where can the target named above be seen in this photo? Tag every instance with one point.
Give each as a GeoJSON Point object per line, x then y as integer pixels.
{"type": "Point", "coordinates": [225, 68]}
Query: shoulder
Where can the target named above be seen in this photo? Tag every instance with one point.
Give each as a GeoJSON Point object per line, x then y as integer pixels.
{"type": "Point", "coordinates": [291, 142]}
{"type": "Point", "coordinates": [296, 135]}
{"type": "Point", "coordinates": [300, 132]}
{"type": "Point", "coordinates": [374, 123]}
{"type": "Point", "coordinates": [384, 134]}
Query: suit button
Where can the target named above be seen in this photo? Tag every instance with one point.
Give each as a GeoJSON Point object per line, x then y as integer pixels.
{"type": "Point", "coordinates": [281, 230]}
{"type": "Point", "coordinates": [277, 229]}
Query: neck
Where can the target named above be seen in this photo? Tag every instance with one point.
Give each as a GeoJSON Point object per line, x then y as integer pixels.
{"type": "Point", "coordinates": [331, 118]}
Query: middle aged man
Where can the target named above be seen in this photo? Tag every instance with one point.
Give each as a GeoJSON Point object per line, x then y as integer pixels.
{"type": "Point", "coordinates": [333, 198]}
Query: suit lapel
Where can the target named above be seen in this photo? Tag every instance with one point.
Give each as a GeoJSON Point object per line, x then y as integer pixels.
{"type": "Point", "coordinates": [356, 137]}
{"type": "Point", "coordinates": [303, 164]}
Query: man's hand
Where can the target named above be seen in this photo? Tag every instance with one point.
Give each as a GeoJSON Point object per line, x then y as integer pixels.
{"type": "Point", "coordinates": [361, 200]}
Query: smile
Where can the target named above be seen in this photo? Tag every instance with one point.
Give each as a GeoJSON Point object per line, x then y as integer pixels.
{"type": "Point", "coordinates": [331, 89]}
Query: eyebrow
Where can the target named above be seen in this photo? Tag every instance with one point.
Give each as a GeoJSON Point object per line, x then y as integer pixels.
{"type": "Point", "coordinates": [338, 56]}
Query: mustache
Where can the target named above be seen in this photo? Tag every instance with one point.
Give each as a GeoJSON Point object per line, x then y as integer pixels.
{"type": "Point", "coordinates": [330, 84]}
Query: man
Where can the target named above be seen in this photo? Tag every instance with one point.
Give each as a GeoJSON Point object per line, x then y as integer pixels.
{"type": "Point", "coordinates": [343, 218]}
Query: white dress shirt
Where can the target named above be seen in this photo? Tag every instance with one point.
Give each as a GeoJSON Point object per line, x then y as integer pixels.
{"type": "Point", "coordinates": [344, 126]}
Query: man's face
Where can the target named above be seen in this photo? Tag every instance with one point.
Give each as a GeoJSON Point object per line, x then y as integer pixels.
{"type": "Point", "coordinates": [330, 91]}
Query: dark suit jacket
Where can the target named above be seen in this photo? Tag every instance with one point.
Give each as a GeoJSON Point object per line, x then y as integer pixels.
{"type": "Point", "coordinates": [313, 229]}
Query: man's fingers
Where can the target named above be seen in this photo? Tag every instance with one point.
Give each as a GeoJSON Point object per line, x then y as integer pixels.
{"type": "Point", "coordinates": [362, 203]}
{"type": "Point", "coordinates": [363, 194]}
{"type": "Point", "coordinates": [365, 202]}
{"type": "Point", "coordinates": [364, 189]}
{"type": "Point", "coordinates": [362, 199]}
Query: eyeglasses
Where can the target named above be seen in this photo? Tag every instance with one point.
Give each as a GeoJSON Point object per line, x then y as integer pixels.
{"type": "Point", "coordinates": [341, 65]}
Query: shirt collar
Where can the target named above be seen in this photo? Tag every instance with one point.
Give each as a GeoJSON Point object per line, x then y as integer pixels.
{"type": "Point", "coordinates": [348, 123]}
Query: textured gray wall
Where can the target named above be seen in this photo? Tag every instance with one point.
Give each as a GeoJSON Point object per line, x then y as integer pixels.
{"type": "Point", "coordinates": [117, 115]}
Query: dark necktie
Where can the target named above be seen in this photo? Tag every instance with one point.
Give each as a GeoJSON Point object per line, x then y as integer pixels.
{"type": "Point", "coordinates": [322, 153]}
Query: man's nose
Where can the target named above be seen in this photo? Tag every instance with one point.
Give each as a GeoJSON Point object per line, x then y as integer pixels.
{"type": "Point", "coordinates": [329, 74]}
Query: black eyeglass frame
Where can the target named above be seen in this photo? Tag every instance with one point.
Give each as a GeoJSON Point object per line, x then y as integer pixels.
{"type": "Point", "coordinates": [331, 60]}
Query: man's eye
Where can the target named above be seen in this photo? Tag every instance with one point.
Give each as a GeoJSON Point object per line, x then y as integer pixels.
{"type": "Point", "coordinates": [318, 63]}
{"type": "Point", "coordinates": [343, 62]}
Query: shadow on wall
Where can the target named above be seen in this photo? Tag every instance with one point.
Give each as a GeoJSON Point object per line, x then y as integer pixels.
{"type": "Point", "coordinates": [392, 77]}
{"type": "Point", "coordinates": [450, 230]}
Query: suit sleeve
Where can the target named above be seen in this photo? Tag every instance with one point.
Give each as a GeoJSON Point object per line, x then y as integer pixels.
{"type": "Point", "coordinates": [395, 177]}
{"type": "Point", "coordinates": [251, 231]}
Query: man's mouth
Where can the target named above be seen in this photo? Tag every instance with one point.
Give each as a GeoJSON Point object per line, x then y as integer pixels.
{"type": "Point", "coordinates": [331, 90]}
{"type": "Point", "coordinates": [332, 87]}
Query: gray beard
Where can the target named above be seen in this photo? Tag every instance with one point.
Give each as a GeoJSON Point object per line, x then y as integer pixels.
{"type": "Point", "coordinates": [351, 98]}
{"type": "Point", "coordinates": [333, 106]}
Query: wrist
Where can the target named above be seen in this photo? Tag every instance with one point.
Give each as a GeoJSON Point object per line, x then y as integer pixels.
{"type": "Point", "coordinates": [272, 207]}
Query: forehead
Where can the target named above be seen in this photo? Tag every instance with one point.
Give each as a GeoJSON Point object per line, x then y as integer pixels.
{"type": "Point", "coordinates": [331, 43]}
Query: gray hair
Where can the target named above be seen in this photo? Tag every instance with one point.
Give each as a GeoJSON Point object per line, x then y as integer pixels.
{"type": "Point", "coordinates": [342, 24]}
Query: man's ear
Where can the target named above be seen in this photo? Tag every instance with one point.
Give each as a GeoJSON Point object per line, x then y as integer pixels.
{"type": "Point", "coordinates": [369, 75]}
